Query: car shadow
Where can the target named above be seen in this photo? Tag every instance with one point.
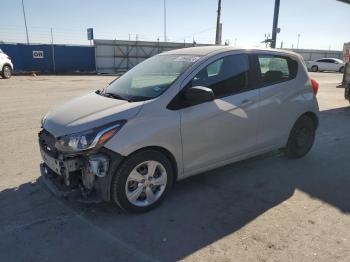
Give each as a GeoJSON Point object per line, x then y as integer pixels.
{"type": "Point", "coordinates": [198, 211]}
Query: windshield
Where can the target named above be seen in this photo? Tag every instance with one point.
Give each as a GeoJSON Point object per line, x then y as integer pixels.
{"type": "Point", "coordinates": [150, 78]}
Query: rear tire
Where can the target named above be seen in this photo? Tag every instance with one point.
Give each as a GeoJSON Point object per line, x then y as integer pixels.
{"type": "Point", "coordinates": [342, 69]}
{"type": "Point", "coordinates": [6, 71]}
{"type": "Point", "coordinates": [135, 188]}
{"type": "Point", "coordinates": [301, 138]}
{"type": "Point", "coordinates": [314, 68]}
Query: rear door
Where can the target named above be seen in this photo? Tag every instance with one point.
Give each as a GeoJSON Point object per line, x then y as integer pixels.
{"type": "Point", "coordinates": [216, 131]}
{"type": "Point", "coordinates": [278, 98]}
{"type": "Point", "coordinates": [334, 65]}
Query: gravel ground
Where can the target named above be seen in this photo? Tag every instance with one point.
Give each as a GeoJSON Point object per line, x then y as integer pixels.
{"type": "Point", "coordinates": [263, 209]}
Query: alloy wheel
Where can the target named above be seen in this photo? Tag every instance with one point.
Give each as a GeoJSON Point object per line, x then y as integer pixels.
{"type": "Point", "coordinates": [7, 71]}
{"type": "Point", "coordinates": [146, 183]}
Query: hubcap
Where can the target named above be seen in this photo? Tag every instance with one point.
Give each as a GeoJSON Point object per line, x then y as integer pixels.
{"type": "Point", "coordinates": [146, 183]}
{"type": "Point", "coordinates": [7, 71]}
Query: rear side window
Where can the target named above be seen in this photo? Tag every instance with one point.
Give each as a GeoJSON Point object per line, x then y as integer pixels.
{"type": "Point", "coordinates": [226, 76]}
{"type": "Point", "coordinates": [275, 69]}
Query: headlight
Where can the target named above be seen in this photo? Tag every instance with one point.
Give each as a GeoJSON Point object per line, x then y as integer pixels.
{"type": "Point", "coordinates": [89, 139]}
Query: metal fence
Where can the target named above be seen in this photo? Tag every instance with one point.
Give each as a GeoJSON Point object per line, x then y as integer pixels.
{"type": "Point", "coordinates": [310, 54]}
{"type": "Point", "coordinates": [106, 56]}
{"type": "Point", "coordinates": [117, 56]}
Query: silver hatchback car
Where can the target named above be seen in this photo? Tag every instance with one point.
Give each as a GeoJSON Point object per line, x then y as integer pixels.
{"type": "Point", "coordinates": [175, 115]}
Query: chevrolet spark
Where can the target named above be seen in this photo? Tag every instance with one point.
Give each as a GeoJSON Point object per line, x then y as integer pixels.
{"type": "Point", "coordinates": [175, 115]}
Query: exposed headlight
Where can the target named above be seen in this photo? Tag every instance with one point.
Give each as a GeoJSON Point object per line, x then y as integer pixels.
{"type": "Point", "coordinates": [89, 139]}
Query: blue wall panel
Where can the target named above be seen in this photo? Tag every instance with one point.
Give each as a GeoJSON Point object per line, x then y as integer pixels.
{"type": "Point", "coordinates": [67, 58]}
{"type": "Point", "coordinates": [75, 58]}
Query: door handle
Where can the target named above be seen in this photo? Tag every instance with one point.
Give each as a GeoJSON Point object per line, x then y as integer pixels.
{"type": "Point", "coordinates": [246, 102]}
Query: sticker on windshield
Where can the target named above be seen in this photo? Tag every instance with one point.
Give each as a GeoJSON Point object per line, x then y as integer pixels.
{"type": "Point", "coordinates": [156, 88]}
{"type": "Point", "coordinates": [188, 58]}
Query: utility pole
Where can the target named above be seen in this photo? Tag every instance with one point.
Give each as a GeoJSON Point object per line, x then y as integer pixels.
{"type": "Point", "coordinates": [25, 22]}
{"type": "Point", "coordinates": [165, 37]}
{"type": "Point", "coordinates": [298, 41]}
{"type": "Point", "coordinates": [275, 24]}
{"type": "Point", "coordinates": [218, 31]}
{"type": "Point", "coordinates": [53, 52]}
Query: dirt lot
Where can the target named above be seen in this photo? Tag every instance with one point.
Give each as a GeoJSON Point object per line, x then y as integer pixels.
{"type": "Point", "coordinates": [262, 209]}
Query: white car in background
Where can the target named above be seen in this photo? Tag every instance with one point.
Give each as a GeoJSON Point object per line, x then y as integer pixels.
{"type": "Point", "coordinates": [327, 64]}
{"type": "Point", "coordinates": [6, 66]}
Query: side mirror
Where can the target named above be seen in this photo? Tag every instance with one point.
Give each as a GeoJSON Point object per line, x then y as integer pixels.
{"type": "Point", "coordinates": [199, 94]}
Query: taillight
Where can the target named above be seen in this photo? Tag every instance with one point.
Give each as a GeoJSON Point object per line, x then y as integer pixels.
{"type": "Point", "coordinates": [315, 86]}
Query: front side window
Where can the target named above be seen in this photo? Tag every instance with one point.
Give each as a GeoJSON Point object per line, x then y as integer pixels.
{"type": "Point", "coordinates": [225, 76]}
{"type": "Point", "coordinates": [150, 78]}
{"type": "Point", "coordinates": [276, 69]}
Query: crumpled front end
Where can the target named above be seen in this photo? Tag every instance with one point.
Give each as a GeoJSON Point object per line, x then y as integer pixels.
{"type": "Point", "coordinates": [86, 175]}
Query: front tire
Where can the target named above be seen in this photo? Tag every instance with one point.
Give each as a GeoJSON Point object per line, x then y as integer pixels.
{"type": "Point", "coordinates": [314, 68]}
{"type": "Point", "coordinates": [6, 72]}
{"type": "Point", "coordinates": [301, 138]}
{"type": "Point", "coordinates": [142, 181]}
{"type": "Point", "coordinates": [342, 69]}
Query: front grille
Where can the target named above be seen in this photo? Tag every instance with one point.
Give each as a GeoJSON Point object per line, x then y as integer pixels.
{"type": "Point", "coordinates": [47, 143]}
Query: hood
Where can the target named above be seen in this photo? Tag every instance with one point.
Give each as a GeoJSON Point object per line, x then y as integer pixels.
{"type": "Point", "coordinates": [87, 112]}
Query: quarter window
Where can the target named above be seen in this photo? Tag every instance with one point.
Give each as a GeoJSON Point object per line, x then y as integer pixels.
{"type": "Point", "coordinates": [276, 69]}
{"type": "Point", "coordinates": [225, 76]}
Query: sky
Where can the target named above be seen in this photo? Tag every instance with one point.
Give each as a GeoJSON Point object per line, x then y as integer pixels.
{"type": "Point", "coordinates": [322, 24]}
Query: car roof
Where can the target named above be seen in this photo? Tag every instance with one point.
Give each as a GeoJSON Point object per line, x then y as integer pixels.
{"type": "Point", "coordinates": [329, 58]}
{"type": "Point", "coordinates": [210, 50]}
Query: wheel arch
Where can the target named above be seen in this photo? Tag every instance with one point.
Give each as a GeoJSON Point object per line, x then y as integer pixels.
{"type": "Point", "coordinates": [313, 66]}
{"type": "Point", "coordinates": [7, 64]}
{"type": "Point", "coordinates": [164, 151]}
{"type": "Point", "coordinates": [313, 116]}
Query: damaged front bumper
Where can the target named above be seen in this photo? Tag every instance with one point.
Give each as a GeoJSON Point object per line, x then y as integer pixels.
{"type": "Point", "coordinates": [86, 176]}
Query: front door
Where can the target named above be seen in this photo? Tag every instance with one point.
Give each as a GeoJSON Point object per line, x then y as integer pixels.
{"type": "Point", "coordinates": [219, 130]}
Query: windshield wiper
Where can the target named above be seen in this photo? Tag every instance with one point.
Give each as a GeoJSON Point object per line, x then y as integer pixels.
{"type": "Point", "coordinates": [115, 96]}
